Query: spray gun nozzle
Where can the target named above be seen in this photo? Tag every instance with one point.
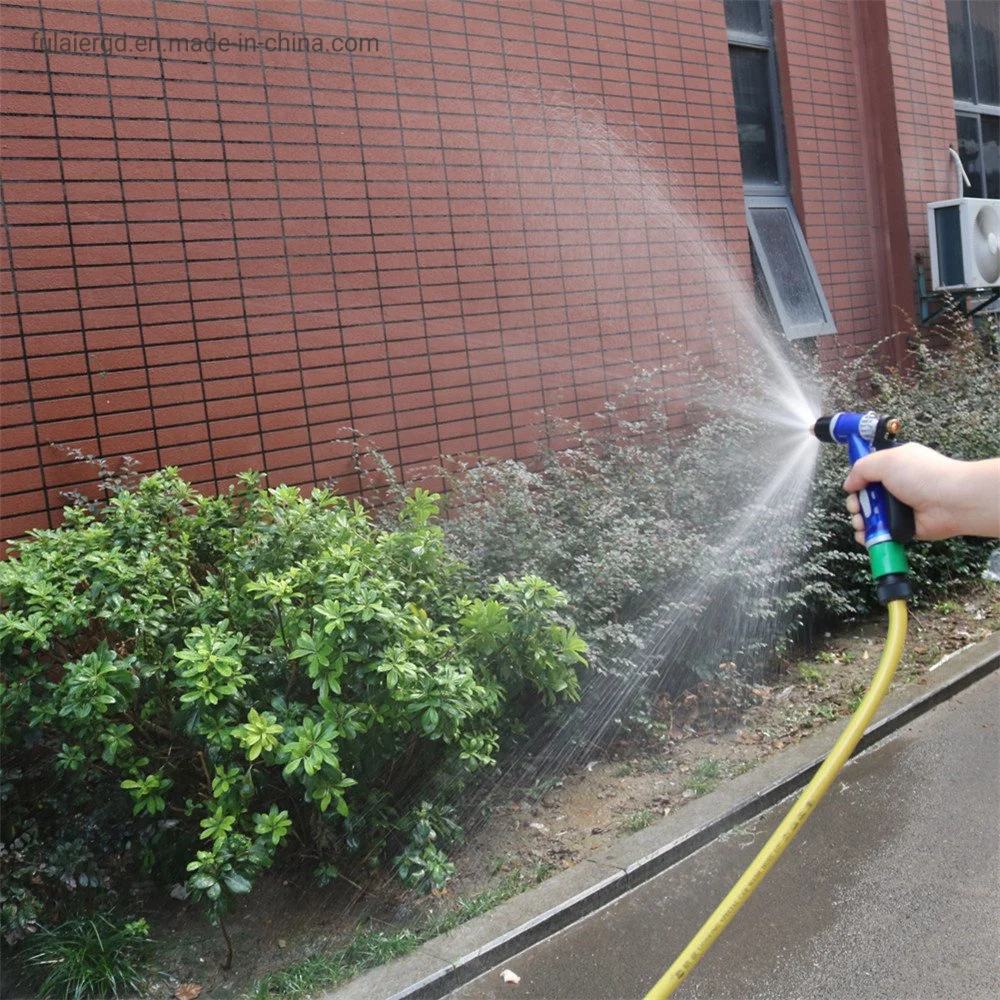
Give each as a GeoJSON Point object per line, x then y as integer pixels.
{"type": "Point", "coordinates": [821, 429]}
{"type": "Point", "coordinates": [888, 523]}
{"type": "Point", "coordinates": [840, 428]}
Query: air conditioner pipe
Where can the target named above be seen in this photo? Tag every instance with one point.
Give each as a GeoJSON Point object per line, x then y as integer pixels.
{"type": "Point", "coordinates": [888, 524]}
{"type": "Point", "coordinates": [962, 177]}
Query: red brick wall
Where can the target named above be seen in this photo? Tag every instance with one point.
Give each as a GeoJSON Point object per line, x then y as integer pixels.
{"type": "Point", "coordinates": [221, 260]}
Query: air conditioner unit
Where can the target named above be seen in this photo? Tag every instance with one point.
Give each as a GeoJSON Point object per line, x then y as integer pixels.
{"type": "Point", "coordinates": [965, 243]}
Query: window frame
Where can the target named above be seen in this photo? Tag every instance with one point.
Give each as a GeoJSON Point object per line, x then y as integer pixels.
{"type": "Point", "coordinates": [792, 330]}
{"type": "Point", "coordinates": [741, 40]}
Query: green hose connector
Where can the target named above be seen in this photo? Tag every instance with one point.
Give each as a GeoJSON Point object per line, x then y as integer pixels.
{"type": "Point", "coordinates": [890, 571]}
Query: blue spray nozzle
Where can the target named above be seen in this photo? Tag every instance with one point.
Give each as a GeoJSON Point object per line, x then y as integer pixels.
{"type": "Point", "coordinates": [888, 522]}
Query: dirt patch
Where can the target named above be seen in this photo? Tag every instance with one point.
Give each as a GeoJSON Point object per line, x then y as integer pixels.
{"type": "Point", "coordinates": [687, 749]}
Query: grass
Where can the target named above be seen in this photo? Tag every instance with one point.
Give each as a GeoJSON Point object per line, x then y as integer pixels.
{"type": "Point", "coordinates": [541, 788]}
{"type": "Point", "coordinates": [705, 776]}
{"type": "Point", "coordinates": [370, 947]}
{"type": "Point", "coordinates": [636, 821]}
{"type": "Point", "coordinates": [858, 692]}
{"type": "Point", "coordinates": [91, 957]}
{"type": "Point", "coordinates": [947, 607]}
{"type": "Point", "coordinates": [811, 674]}
{"type": "Point", "coordinates": [828, 712]}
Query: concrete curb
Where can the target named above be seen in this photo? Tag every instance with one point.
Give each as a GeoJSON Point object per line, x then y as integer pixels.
{"type": "Point", "coordinates": [447, 962]}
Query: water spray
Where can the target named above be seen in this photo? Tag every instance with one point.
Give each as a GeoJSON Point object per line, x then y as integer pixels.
{"type": "Point", "coordinates": [889, 524]}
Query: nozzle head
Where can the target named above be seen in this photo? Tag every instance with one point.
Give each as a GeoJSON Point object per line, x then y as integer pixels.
{"type": "Point", "coordinates": [856, 430]}
{"type": "Point", "coordinates": [822, 430]}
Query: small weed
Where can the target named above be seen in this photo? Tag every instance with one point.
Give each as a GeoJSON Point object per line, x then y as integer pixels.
{"type": "Point", "coordinates": [483, 902]}
{"type": "Point", "coordinates": [947, 607]}
{"type": "Point", "coordinates": [926, 655]}
{"type": "Point", "coordinates": [827, 712]}
{"type": "Point", "coordinates": [740, 830]}
{"type": "Point", "coordinates": [811, 674]}
{"type": "Point", "coordinates": [639, 820]}
{"type": "Point", "coordinates": [826, 657]}
{"type": "Point", "coordinates": [543, 870]}
{"type": "Point", "coordinates": [858, 690]}
{"type": "Point", "coordinates": [705, 776]}
{"type": "Point", "coordinates": [501, 863]}
{"type": "Point", "coordinates": [542, 787]}
{"type": "Point", "coordinates": [623, 770]}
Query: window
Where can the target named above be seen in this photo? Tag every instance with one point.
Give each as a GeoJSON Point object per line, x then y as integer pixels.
{"type": "Point", "coordinates": [974, 40]}
{"type": "Point", "coordinates": [784, 275]}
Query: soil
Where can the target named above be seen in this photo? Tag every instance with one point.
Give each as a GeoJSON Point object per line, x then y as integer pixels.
{"type": "Point", "coordinates": [691, 745]}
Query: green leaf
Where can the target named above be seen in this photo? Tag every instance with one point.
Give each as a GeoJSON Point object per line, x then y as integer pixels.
{"type": "Point", "coordinates": [236, 883]}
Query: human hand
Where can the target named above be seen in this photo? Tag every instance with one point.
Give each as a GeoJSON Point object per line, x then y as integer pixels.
{"type": "Point", "coordinates": [949, 497]}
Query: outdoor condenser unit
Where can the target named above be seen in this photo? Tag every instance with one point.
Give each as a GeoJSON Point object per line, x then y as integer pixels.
{"type": "Point", "coordinates": [965, 243]}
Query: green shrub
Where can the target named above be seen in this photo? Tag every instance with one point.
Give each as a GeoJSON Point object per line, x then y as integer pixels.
{"type": "Point", "coordinates": [605, 517]}
{"type": "Point", "coordinates": [192, 681]}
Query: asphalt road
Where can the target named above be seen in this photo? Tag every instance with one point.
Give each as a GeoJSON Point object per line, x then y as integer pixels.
{"type": "Point", "coordinates": [890, 892]}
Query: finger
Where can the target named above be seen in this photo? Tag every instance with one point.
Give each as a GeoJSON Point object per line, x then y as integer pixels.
{"type": "Point", "coordinates": [859, 537]}
{"type": "Point", "coordinates": [866, 470]}
{"type": "Point", "coordinates": [853, 504]}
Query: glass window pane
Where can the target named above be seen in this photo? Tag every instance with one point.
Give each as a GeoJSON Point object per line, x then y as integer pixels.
{"type": "Point", "coordinates": [792, 282]}
{"type": "Point", "coordinates": [961, 51]}
{"type": "Point", "coordinates": [754, 114]}
{"type": "Point", "coordinates": [986, 43]}
{"type": "Point", "coordinates": [969, 153]}
{"type": "Point", "coordinates": [744, 15]}
{"type": "Point", "coordinates": [991, 154]}
{"type": "Point", "coordinates": [761, 291]}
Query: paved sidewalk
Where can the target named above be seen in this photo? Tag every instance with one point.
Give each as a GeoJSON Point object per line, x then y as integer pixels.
{"type": "Point", "coordinates": [891, 890]}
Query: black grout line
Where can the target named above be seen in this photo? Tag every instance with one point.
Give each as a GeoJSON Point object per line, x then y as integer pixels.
{"type": "Point", "coordinates": [190, 300]}
{"type": "Point", "coordinates": [344, 327]}
{"type": "Point", "coordinates": [493, 296]}
{"type": "Point", "coordinates": [237, 258]}
{"type": "Point", "coordinates": [33, 422]}
{"type": "Point", "coordinates": [294, 313]}
{"type": "Point", "coordinates": [329, 257]}
{"type": "Point", "coordinates": [377, 270]}
{"type": "Point", "coordinates": [433, 373]}
{"type": "Point", "coordinates": [134, 284]}
{"type": "Point", "coordinates": [82, 327]}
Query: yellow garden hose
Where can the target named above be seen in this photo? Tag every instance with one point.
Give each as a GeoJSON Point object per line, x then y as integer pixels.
{"type": "Point", "coordinates": [798, 814]}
